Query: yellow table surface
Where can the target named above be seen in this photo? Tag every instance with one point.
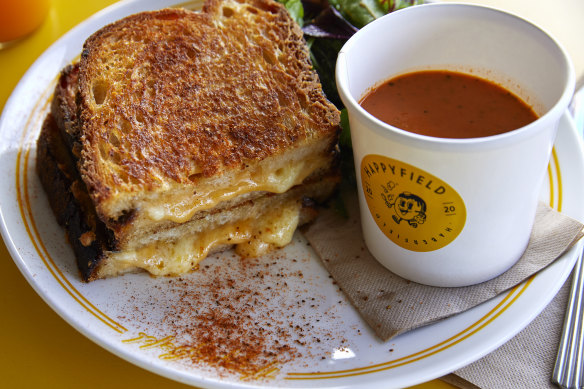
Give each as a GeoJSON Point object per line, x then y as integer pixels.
{"type": "Point", "coordinates": [39, 349]}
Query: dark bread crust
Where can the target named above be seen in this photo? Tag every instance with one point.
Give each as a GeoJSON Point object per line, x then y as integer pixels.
{"type": "Point", "coordinates": [54, 170]}
{"type": "Point", "coordinates": [172, 96]}
{"type": "Point", "coordinates": [64, 105]}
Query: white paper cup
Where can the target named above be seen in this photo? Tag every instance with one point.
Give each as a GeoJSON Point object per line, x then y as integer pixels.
{"type": "Point", "coordinates": [479, 195]}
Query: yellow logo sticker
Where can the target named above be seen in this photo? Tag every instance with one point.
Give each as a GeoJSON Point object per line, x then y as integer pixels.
{"type": "Point", "coordinates": [413, 208]}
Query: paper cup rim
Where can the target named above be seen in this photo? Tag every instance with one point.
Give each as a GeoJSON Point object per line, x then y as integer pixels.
{"type": "Point", "coordinates": [354, 108]}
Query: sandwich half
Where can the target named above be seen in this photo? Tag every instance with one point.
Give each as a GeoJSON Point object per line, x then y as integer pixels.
{"type": "Point", "coordinates": [180, 133]}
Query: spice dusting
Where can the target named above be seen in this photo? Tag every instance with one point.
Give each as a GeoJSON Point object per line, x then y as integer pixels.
{"type": "Point", "coordinates": [236, 332]}
{"type": "Point", "coordinates": [242, 318]}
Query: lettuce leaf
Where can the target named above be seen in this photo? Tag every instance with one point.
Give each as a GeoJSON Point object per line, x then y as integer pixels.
{"type": "Point", "coordinates": [295, 9]}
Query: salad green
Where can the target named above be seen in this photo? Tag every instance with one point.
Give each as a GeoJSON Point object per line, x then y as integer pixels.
{"type": "Point", "coordinates": [361, 12]}
{"type": "Point", "coordinates": [327, 25]}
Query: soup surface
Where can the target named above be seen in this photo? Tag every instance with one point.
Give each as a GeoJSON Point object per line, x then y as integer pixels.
{"type": "Point", "coordinates": [447, 104]}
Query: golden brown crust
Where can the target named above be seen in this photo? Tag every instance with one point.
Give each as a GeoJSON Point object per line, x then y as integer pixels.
{"type": "Point", "coordinates": [172, 95]}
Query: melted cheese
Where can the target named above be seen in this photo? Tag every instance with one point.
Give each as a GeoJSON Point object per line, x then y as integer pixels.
{"type": "Point", "coordinates": [277, 180]}
{"type": "Point", "coordinates": [252, 237]}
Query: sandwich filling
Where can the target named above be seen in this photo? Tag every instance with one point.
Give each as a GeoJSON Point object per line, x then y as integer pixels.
{"type": "Point", "coordinates": [251, 237]}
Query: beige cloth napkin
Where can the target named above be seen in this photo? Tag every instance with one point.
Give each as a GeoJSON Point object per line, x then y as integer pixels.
{"type": "Point", "coordinates": [526, 361]}
{"type": "Point", "coordinates": [392, 305]}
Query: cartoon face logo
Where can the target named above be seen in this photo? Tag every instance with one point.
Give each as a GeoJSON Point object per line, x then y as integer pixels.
{"type": "Point", "coordinates": [410, 208]}
{"type": "Point", "coordinates": [413, 208]}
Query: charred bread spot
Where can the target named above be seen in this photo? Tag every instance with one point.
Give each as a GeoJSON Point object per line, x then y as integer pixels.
{"type": "Point", "coordinates": [87, 241]}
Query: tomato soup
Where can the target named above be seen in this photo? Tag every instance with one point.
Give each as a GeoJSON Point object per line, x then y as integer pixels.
{"type": "Point", "coordinates": [447, 104]}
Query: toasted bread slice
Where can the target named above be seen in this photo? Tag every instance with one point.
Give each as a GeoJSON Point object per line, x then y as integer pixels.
{"type": "Point", "coordinates": [181, 111]}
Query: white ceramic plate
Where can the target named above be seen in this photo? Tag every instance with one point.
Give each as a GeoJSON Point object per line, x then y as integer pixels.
{"type": "Point", "coordinates": [278, 321]}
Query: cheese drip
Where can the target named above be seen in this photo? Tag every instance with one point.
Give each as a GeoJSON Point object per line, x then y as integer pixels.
{"type": "Point", "coordinates": [277, 180]}
{"type": "Point", "coordinates": [251, 237]}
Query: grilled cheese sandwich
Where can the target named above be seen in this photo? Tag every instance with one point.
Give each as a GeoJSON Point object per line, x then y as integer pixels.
{"type": "Point", "coordinates": [181, 133]}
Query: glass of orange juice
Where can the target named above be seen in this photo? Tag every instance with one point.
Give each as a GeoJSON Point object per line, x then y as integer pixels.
{"type": "Point", "coordinates": [19, 18]}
